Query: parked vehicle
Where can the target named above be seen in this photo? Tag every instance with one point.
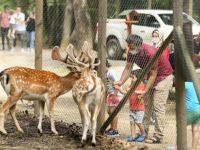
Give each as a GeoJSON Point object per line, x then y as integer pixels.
{"type": "Point", "coordinates": [147, 21]}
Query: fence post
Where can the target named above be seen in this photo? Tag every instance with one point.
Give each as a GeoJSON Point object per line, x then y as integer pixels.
{"type": "Point", "coordinates": [180, 85]}
{"type": "Point", "coordinates": [102, 52]}
{"type": "Point", "coordinates": [38, 40]}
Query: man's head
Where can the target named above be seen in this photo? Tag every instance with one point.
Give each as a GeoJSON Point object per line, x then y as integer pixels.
{"type": "Point", "coordinates": [134, 42]}
{"type": "Point", "coordinates": [18, 9]}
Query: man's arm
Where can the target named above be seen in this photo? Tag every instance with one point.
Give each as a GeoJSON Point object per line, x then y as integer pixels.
{"type": "Point", "coordinates": [149, 84]}
{"type": "Point", "coordinates": [126, 73]}
{"type": "Point", "coordinates": [151, 80]}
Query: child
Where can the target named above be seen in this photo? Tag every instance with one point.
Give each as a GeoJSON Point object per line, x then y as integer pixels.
{"type": "Point", "coordinates": [136, 113]}
{"type": "Point", "coordinates": [112, 100]}
{"type": "Point", "coordinates": [193, 112]}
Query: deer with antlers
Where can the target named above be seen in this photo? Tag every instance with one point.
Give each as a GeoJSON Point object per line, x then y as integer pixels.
{"type": "Point", "coordinates": [88, 92]}
{"type": "Point", "coordinates": [33, 84]}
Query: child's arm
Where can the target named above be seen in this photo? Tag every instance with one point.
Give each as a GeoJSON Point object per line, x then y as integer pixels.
{"type": "Point", "coordinates": [118, 88]}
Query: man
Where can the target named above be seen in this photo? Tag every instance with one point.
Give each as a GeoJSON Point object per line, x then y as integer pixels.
{"type": "Point", "coordinates": [193, 112]}
{"type": "Point", "coordinates": [5, 25]}
{"type": "Point", "coordinates": [20, 29]}
{"type": "Point", "coordinates": [159, 82]}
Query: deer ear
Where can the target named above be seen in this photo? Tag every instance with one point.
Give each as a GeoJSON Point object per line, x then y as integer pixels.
{"type": "Point", "coordinates": [55, 54]}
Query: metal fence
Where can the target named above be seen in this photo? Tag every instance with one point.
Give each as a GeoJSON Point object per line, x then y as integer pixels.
{"type": "Point", "coordinates": [74, 21]}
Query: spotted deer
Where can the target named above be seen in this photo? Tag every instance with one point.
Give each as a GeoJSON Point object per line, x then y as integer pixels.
{"type": "Point", "coordinates": [32, 84]}
{"type": "Point", "coordinates": [88, 92]}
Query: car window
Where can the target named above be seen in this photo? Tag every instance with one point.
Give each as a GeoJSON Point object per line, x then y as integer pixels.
{"type": "Point", "coordinates": [147, 20]}
{"type": "Point", "coordinates": [167, 18]}
{"type": "Point", "coordinates": [141, 18]}
{"type": "Point", "coordinates": [151, 21]}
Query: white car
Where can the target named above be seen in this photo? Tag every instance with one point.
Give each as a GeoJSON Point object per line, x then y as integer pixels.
{"type": "Point", "coordinates": [148, 20]}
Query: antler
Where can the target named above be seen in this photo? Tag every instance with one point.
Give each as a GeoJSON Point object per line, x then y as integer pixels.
{"type": "Point", "coordinates": [91, 54]}
{"type": "Point", "coordinates": [74, 62]}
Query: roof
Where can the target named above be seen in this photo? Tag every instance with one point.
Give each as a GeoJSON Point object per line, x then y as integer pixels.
{"type": "Point", "coordinates": [146, 11]}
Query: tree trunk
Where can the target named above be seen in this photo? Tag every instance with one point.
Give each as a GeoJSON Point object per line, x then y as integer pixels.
{"type": "Point", "coordinates": [38, 41]}
{"type": "Point", "coordinates": [67, 23]}
{"type": "Point", "coordinates": [82, 31]}
{"type": "Point", "coordinates": [117, 8]}
{"type": "Point", "coordinates": [190, 12]}
{"type": "Point", "coordinates": [149, 4]}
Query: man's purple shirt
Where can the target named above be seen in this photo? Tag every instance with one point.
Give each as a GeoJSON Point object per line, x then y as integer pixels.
{"type": "Point", "coordinates": [142, 58]}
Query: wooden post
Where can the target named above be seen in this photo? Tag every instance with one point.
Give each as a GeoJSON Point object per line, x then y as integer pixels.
{"type": "Point", "coordinates": [38, 40]}
{"type": "Point", "coordinates": [180, 83]}
{"type": "Point", "coordinates": [102, 52]}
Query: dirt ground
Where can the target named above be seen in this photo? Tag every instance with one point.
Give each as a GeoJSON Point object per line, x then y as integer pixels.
{"type": "Point", "coordinates": [68, 138]}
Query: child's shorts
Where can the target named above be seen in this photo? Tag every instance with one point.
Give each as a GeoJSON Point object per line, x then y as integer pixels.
{"type": "Point", "coordinates": [110, 102]}
{"type": "Point", "coordinates": [136, 116]}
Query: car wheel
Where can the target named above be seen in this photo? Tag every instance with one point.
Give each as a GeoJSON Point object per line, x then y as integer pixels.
{"type": "Point", "coordinates": [114, 50]}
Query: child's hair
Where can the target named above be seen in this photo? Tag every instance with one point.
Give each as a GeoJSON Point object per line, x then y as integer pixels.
{"type": "Point", "coordinates": [136, 72]}
{"type": "Point", "coordinates": [108, 64]}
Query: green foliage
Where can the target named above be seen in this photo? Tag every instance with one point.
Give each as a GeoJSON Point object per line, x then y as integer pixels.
{"type": "Point", "coordinates": [27, 5]}
{"type": "Point", "coordinates": [10, 3]}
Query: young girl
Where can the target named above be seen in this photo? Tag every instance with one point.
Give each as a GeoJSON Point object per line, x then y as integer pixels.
{"type": "Point", "coordinates": [112, 100]}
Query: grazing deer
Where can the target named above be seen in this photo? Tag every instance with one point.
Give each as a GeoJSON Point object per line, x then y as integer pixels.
{"type": "Point", "coordinates": [33, 84]}
{"type": "Point", "coordinates": [88, 92]}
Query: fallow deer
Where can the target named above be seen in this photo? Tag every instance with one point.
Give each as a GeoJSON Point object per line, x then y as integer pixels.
{"type": "Point", "coordinates": [88, 92]}
{"type": "Point", "coordinates": [33, 84]}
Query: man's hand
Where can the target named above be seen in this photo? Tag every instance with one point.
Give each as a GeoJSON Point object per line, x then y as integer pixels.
{"type": "Point", "coordinates": [119, 83]}
{"type": "Point", "coordinates": [117, 87]}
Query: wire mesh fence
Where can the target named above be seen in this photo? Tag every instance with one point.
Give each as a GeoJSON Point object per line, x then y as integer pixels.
{"type": "Point", "coordinates": [74, 21]}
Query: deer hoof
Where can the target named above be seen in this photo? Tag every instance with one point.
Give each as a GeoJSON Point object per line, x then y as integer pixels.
{"type": "Point", "coordinates": [3, 131]}
{"type": "Point", "coordinates": [83, 142]}
{"type": "Point", "coordinates": [55, 132]}
{"type": "Point", "coordinates": [39, 131]}
{"type": "Point", "coordinates": [93, 144]}
{"type": "Point", "coordinates": [21, 131]}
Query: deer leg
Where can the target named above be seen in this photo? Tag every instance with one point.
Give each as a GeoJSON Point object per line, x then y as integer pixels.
{"type": "Point", "coordinates": [5, 106]}
{"type": "Point", "coordinates": [50, 105]}
{"type": "Point", "coordinates": [41, 109]}
{"type": "Point", "coordinates": [95, 113]}
{"type": "Point", "coordinates": [86, 121]}
{"type": "Point", "coordinates": [12, 113]}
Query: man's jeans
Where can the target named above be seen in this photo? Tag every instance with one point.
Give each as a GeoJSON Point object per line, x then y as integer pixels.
{"type": "Point", "coordinates": [31, 39]}
{"type": "Point", "coordinates": [155, 100]}
{"type": "Point", "coordinates": [21, 36]}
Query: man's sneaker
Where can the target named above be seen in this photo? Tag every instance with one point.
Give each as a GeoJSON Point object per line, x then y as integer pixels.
{"type": "Point", "coordinates": [140, 138]}
{"type": "Point", "coordinates": [112, 133]}
{"type": "Point", "coordinates": [153, 140]}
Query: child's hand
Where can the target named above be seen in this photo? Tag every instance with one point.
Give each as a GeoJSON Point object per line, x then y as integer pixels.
{"type": "Point", "coordinates": [140, 93]}
{"type": "Point", "coordinates": [114, 97]}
